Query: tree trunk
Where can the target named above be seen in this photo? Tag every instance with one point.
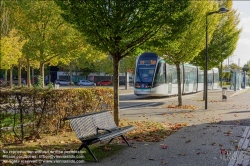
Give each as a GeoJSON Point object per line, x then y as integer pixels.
{"type": "Point", "coordinates": [28, 74]}
{"type": "Point", "coordinates": [32, 73]}
{"type": "Point", "coordinates": [11, 80]}
{"type": "Point", "coordinates": [6, 77]}
{"type": "Point", "coordinates": [42, 73]}
{"type": "Point", "coordinates": [19, 74]}
{"type": "Point", "coordinates": [179, 84]}
{"type": "Point", "coordinates": [116, 88]}
{"type": "Point", "coordinates": [70, 73]}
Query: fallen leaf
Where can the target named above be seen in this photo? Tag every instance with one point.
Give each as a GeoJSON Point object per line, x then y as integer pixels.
{"type": "Point", "coordinates": [164, 146]}
{"type": "Point", "coordinates": [213, 143]}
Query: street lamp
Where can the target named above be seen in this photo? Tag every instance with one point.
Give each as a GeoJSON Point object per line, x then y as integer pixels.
{"type": "Point", "coordinates": [221, 10]}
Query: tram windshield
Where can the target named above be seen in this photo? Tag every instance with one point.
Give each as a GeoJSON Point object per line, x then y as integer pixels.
{"type": "Point", "coordinates": [145, 73]}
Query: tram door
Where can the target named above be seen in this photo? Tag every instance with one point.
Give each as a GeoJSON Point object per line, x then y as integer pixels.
{"type": "Point", "coordinates": [195, 79]}
{"type": "Point", "coordinates": [187, 77]}
{"type": "Point", "coordinates": [169, 78]}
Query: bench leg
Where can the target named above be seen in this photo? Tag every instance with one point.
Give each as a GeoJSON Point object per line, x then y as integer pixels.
{"type": "Point", "coordinates": [125, 140]}
{"type": "Point", "coordinates": [110, 140]}
{"type": "Point", "coordinates": [86, 146]}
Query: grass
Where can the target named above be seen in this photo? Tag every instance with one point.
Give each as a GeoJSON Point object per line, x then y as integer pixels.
{"type": "Point", "coordinates": [7, 120]}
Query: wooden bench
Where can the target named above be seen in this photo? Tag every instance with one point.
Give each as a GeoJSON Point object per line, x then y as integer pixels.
{"type": "Point", "coordinates": [95, 127]}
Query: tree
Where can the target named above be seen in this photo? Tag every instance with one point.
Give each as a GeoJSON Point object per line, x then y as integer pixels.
{"type": "Point", "coordinates": [5, 22]}
{"type": "Point", "coordinates": [50, 38]}
{"type": "Point", "coordinates": [186, 38]}
{"type": "Point", "coordinates": [11, 46]}
{"type": "Point", "coordinates": [90, 59]}
{"type": "Point", "coordinates": [234, 66]}
{"type": "Point", "coordinates": [5, 27]}
{"type": "Point", "coordinates": [118, 27]}
{"type": "Point", "coordinates": [128, 63]}
{"type": "Point", "coordinates": [223, 40]}
{"type": "Point", "coordinates": [246, 67]}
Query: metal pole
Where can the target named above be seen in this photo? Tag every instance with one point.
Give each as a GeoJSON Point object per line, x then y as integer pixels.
{"type": "Point", "coordinates": [221, 74]}
{"type": "Point", "coordinates": [239, 64]}
{"type": "Point", "coordinates": [206, 65]}
{"type": "Point", "coordinates": [235, 82]}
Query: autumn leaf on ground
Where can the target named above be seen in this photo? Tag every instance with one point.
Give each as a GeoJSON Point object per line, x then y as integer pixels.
{"type": "Point", "coordinates": [164, 146]}
{"type": "Point", "coordinates": [213, 143]}
{"type": "Point", "coordinates": [106, 148]}
{"type": "Point", "coordinates": [182, 107]}
{"type": "Point", "coordinates": [152, 131]}
{"type": "Point", "coordinates": [184, 154]}
{"type": "Point", "coordinates": [228, 133]}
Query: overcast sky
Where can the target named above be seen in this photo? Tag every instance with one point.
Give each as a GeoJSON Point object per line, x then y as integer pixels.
{"type": "Point", "coordinates": [243, 45]}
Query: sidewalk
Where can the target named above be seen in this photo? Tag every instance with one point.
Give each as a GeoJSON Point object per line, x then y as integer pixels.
{"type": "Point", "coordinates": [218, 136]}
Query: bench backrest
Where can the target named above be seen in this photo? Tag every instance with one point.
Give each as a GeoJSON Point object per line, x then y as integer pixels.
{"type": "Point", "coordinates": [86, 125]}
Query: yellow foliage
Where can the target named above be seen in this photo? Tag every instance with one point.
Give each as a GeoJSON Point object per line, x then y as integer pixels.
{"type": "Point", "coordinates": [11, 46]}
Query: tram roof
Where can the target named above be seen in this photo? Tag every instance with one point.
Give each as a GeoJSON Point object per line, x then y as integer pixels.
{"type": "Point", "coordinates": [149, 55]}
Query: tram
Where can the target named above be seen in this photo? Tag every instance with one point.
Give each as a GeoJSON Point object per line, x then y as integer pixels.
{"type": "Point", "coordinates": [154, 77]}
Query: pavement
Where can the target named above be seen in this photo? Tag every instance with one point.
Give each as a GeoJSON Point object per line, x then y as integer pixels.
{"type": "Point", "coordinates": [218, 136]}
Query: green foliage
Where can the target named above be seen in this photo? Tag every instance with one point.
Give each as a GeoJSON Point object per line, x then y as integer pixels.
{"type": "Point", "coordinates": [234, 66]}
{"type": "Point", "coordinates": [50, 38]}
{"type": "Point", "coordinates": [226, 75]}
{"type": "Point", "coordinates": [223, 39]}
{"type": "Point", "coordinates": [117, 26]}
{"type": "Point", "coordinates": [50, 85]}
{"type": "Point", "coordinates": [183, 40]}
{"type": "Point", "coordinates": [226, 83]}
{"type": "Point", "coordinates": [39, 84]}
{"type": "Point", "coordinates": [246, 68]}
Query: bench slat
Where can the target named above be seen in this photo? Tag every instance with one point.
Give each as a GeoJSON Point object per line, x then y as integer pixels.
{"type": "Point", "coordinates": [84, 127]}
{"type": "Point", "coordinates": [104, 120]}
{"type": "Point", "coordinates": [115, 133]}
{"type": "Point", "coordinates": [83, 115]}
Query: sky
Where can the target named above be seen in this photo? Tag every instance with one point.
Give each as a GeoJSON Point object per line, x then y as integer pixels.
{"type": "Point", "coordinates": [242, 53]}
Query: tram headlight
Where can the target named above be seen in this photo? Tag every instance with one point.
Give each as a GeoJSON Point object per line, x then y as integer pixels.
{"type": "Point", "coordinates": [137, 86]}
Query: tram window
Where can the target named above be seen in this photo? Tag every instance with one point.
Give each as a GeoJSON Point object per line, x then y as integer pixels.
{"type": "Point", "coordinates": [147, 61]}
{"type": "Point", "coordinates": [210, 78]}
{"type": "Point", "coordinates": [201, 76]}
{"type": "Point", "coordinates": [169, 73]}
{"type": "Point", "coordinates": [216, 77]}
{"type": "Point", "coordinates": [145, 74]}
{"type": "Point", "coordinates": [160, 75]}
{"type": "Point", "coordinates": [174, 75]}
{"type": "Point", "coordinates": [190, 74]}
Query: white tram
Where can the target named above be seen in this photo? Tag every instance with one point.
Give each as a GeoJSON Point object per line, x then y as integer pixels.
{"type": "Point", "coordinates": [154, 77]}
